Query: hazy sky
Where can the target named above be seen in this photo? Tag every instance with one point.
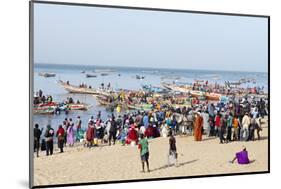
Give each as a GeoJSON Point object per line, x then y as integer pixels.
{"type": "Point", "coordinates": [120, 37]}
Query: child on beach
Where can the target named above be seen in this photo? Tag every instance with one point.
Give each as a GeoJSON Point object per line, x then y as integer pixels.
{"type": "Point", "coordinates": [144, 152]}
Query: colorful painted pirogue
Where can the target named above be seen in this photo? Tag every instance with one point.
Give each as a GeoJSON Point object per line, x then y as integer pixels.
{"type": "Point", "coordinates": [76, 89]}
{"type": "Point", "coordinates": [51, 107]}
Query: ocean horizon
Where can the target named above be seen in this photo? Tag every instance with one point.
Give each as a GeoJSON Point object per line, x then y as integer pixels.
{"type": "Point", "coordinates": [75, 66]}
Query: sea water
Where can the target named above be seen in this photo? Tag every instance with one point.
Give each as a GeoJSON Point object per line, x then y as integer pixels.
{"type": "Point", "coordinates": [119, 78]}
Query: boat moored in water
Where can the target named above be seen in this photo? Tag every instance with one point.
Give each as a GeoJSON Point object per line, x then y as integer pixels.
{"type": "Point", "coordinates": [45, 74]}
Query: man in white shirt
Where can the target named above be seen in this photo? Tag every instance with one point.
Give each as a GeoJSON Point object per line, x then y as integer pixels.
{"type": "Point", "coordinates": [245, 127]}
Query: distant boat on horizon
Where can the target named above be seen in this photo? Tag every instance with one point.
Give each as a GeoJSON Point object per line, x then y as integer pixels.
{"type": "Point", "coordinates": [45, 74]}
{"type": "Point", "coordinates": [90, 75]}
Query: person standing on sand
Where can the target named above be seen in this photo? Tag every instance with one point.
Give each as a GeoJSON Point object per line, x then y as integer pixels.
{"type": "Point", "coordinates": [198, 127]}
{"type": "Point", "coordinates": [78, 127]}
{"type": "Point", "coordinates": [172, 146]}
{"type": "Point", "coordinates": [112, 131]}
{"type": "Point", "coordinates": [90, 133]}
{"type": "Point", "coordinates": [49, 134]}
{"type": "Point", "coordinates": [60, 135]}
{"type": "Point", "coordinates": [65, 127]}
{"type": "Point", "coordinates": [206, 123]}
{"type": "Point", "coordinates": [217, 124]}
{"type": "Point", "coordinates": [221, 129]}
{"type": "Point", "coordinates": [245, 127]}
{"type": "Point", "coordinates": [70, 134]}
{"type": "Point", "coordinates": [235, 125]}
{"type": "Point", "coordinates": [37, 134]}
{"type": "Point", "coordinates": [144, 152]}
{"type": "Point", "coordinates": [229, 123]}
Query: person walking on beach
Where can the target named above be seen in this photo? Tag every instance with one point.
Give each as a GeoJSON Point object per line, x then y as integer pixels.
{"type": "Point", "coordinates": [144, 152]}
{"type": "Point", "coordinates": [49, 134]}
{"type": "Point", "coordinates": [198, 125]}
{"type": "Point", "coordinates": [37, 134]}
{"type": "Point", "coordinates": [172, 148]}
{"type": "Point", "coordinates": [60, 135]}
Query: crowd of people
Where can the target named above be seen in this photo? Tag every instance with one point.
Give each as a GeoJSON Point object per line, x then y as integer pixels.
{"type": "Point", "coordinates": [39, 98]}
{"type": "Point", "coordinates": [233, 121]}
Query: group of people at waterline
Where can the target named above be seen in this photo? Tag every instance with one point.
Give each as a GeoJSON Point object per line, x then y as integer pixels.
{"type": "Point", "coordinates": [227, 123]}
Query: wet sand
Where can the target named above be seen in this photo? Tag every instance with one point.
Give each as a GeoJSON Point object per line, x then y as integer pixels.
{"type": "Point", "coordinates": [111, 163]}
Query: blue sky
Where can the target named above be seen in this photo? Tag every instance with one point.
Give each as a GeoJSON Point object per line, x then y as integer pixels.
{"type": "Point", "coordinates": [121, 37]}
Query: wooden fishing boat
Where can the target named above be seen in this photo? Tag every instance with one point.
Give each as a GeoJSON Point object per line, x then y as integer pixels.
{"type": "Point", "coordinates": [197, 93]}
{"type": "Point", "coordinates": [43, 110]}
{"type": "Point", "coordinates": [90, 75]}
{"type": "Point", "coordinates": [80, 106]}
{"type": "Point", "coordinates": [167, 85]}
{"type": "Point", "coordinates": [103, 101]}
{"type": "Point", "coordinates": [76, 89]}
{"type": "Point", "coordinates": [45, 74]}
{"type": "Point", "coordinates": [176, 88]}
{"type": "Point", "coordinates": [104, 74]}
{"type": "Point", "coordinates": [139, 77]}
{"type": "Point", "coordinates": [144, 107]}
{"type": "Point", "coordinates": [213, 96]}
{"type": "Point", "coordinates": [153, 89]}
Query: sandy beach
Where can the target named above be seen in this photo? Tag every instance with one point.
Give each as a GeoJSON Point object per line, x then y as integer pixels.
{"type": "Point", "coordinates": [111, 163]}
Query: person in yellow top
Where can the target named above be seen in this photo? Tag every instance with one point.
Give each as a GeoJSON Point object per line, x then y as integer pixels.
{"type": "Point", "coordinates": [158, 107]}
{"type": "Point", "coordinates": [235, 125]}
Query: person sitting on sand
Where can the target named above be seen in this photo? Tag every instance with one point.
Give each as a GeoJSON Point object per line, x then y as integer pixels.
{"type": "Point", "coordinates": [144, 152]}
{"type": "Point", "coordinates": [242, 157]}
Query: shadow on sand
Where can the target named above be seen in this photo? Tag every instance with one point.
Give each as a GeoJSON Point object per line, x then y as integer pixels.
{"type": "Point", "coordinates": [179, 165]}
{"type": "Point", "coordinates": [252, 161]}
